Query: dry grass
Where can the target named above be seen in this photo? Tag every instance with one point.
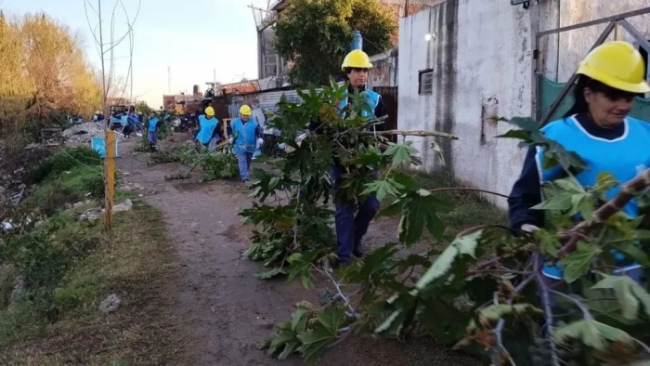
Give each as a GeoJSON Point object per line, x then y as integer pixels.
{"type": "Point", "coordinates": [135, 264]}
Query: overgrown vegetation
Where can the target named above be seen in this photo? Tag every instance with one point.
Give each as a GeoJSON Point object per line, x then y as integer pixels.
{"type": "Point", "coordinates": [316, 34]}
{"type": "Point", "coordinates": [54, 274]}
{"type": "Point", "coordinates": [44, 76]}
{"type": "Point", "coordinates": [485, 291]}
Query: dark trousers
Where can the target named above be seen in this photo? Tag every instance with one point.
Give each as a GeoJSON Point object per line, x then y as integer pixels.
{"type": "Point", "coordinates": [351, 228]}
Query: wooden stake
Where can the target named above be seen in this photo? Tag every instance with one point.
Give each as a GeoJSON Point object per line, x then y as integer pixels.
{"type": "Point", "coordinates": [109, 179]}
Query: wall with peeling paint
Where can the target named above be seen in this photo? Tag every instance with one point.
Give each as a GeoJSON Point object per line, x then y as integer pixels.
{"type": "Point", "coordinates": [480, 53]}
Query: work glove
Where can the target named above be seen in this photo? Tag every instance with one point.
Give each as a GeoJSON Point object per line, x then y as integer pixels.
{"type": "Point", "coordinates": [260, 141]}
{"type": "Point", "coordinates": [528, 228]}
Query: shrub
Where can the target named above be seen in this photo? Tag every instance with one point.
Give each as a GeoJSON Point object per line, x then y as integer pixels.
{"type": "Point", "coordinates": [65, 159]}
{"type": "Point", "coordinates": [218, 166]}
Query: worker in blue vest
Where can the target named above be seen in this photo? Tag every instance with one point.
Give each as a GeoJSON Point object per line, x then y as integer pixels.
{"type": "Point", "coordinates": [246, 135]}
{"type": "Point", "coordinates": [598, 129]}
{"type": "Point", "coordinates": [351, 221]}
{"type": "Point", "coordinates": [207, 125]}
{"type": "Point", "coordinates": [152, 130]}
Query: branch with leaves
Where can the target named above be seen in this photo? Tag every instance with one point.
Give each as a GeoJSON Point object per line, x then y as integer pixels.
{"type": "Point", "coordinates": [486, 292]}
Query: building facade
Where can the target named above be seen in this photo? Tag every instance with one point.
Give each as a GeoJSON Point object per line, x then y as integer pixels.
{"type": "Point", "coordinates": [463, 62]}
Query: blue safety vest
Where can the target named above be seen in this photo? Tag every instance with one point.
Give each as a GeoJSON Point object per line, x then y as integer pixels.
{"type": "Point", "coordinates": [245, 135]}
{"type": "Point", "coordinates": [371, 98]}
{"type": "Point", "coordinates": [624, 158]}
{"type": "Point", "coordinates": [207, 127]}
{"type": "Point", "coordinates": [152, 124]}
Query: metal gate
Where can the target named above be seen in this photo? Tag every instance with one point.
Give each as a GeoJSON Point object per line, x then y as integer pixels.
{"type": "Point", "coordinates": [389, 96]}
{"type": "Point", "coordinates": [615, 24]}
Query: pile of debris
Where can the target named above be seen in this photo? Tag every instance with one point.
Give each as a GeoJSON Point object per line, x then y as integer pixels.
{"type": "Point", "coordinates": [14, 172]}
{"type": "Point", "coordinates": [83, 133]}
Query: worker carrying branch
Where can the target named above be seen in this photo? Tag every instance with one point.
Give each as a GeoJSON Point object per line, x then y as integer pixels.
{"type": "Point", "coordinates": [599, 130]}
{"type": "Point", "coordinates": [352, 221]}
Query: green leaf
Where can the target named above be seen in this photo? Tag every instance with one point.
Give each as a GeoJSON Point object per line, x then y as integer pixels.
{"type": "Point", "coordinates": [315, 343]}
{"type": "Point", "coordinates": [300, 265]}
{"type": "Point", "coordinates": [271, 273]}
{"type": "Point", "coordinates": [516, 134]}
{"type": "Point", "coordinates": [331, 318]}
{"type": "Point", "coordinates": [382, 188]}
{"type": "Point", "coordinates": [495, 312]}
{"type": "Point", "coordinates": [391, 210]}
{"type": "Point", "coordinates": [592, 333]}
{"type": "Point", "coordinates": [605, 181]}
{"type": "Point", "coordinates": [548, 243]}
{"type": "Point", "coordinates": [370, 157]}
{"type": "Point", "coordinates": [569, 184]}
{"type": "Point", "coordinates": [300, 316]}
{"type": "Point", "coordinates": [629, 294]}
{"type": "Point", "coordinates": [578, 263]}
{"type": "Point", "coordinates": [420, 210]}
{"type": "Point", "coordinates": [401, 153]}
{"type": "Point", "coordinates": [464, 246]}
{"type": "Point", "coordinates": [560, 202]}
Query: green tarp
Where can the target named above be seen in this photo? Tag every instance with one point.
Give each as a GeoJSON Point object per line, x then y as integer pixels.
{"type": "Point", "coordinates": [549, 90]}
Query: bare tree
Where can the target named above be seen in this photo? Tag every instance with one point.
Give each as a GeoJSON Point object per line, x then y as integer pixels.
{"type": "Point", "coordinates": [111, 84]}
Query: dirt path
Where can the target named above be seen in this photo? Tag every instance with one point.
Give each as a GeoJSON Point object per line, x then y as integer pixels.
{"type": "Point", "coordinates": [224, 310]}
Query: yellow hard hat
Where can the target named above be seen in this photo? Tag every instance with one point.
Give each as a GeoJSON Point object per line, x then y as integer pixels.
{"type": "Point", "coordinates": [618, 65]}
{"type": "Point", "coordinates": [245, 110]}
{"type": "Point", "coordinates": [356, 59]}
{"type": "Point", "coordinates": [209, 111]}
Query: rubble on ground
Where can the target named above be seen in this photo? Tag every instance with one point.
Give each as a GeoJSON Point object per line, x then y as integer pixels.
{"type": "Point", "coordinates": [14, 173]}
{"type": "Point", "coordinates": [110, 304]}
{"type": "Point", "coordinates": [83, 133]}
{"type": "Point", "coordinates": [95, 214]}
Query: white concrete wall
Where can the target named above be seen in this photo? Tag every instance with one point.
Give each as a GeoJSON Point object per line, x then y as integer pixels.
{"type": "Point", "coordinates": [481, 58]}
{"type": "Point", "coordinates": [574, 45]}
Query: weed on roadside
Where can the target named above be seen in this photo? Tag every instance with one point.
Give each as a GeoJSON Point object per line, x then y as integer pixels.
{"type": "Point", "coordinates": [131, 262]}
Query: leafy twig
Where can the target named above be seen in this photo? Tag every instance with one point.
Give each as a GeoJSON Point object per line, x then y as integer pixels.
{"type": "Point", "coordinates": [612, 206]}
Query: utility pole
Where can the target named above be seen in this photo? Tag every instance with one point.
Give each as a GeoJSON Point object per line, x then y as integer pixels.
{"type": "Point", "coordinates": [169, 80]}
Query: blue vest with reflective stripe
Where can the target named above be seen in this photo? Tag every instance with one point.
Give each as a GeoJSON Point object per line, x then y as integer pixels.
{"type": "Point", "coordinates": [207, 127]}
{"type": "Point", "coordinates": [245, 135]}
{"type": "Point", "coordinates": [624, 157]}
{"type": "Point", "coordinates": [371, 98]}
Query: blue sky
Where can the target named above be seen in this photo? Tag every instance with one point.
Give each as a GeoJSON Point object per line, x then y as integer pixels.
{"type": "Point", "coordinates": [192, 37]}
